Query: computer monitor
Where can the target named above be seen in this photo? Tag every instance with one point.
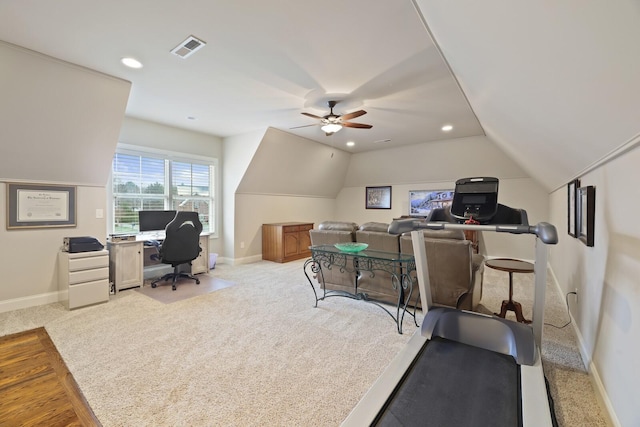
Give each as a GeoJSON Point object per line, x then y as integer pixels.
{"type": "Point", "coordinates": [154, 220]}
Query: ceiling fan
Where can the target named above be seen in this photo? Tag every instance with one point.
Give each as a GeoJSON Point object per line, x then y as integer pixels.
{"type": "Point", "coordinates": [332, 123]}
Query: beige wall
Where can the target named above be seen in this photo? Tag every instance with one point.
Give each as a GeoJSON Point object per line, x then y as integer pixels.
{"type": "Point", "coordinates": [606, 278]}
{"type": "Point", "coordinates": [264, 196]}
{"type": "Point", "coordinates": [238, 153]}
{"type": "Point", "coordinates": [29, 256]}
{"type": "Point", "coordinates": [58, 125]}
{"type": "Point", "coordinates": [253, 210]}
{"type": "Point", "coordinates": [59, 122]}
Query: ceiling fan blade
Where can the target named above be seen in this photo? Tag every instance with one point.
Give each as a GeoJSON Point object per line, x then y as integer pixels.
{"type": "Point", "coordinates": [305, 126]}
{"type": "Point", "coordinates": [313, 116]}
{"type": "Point", "coordinates": [353, 115]}
{"type": "Point", "coordinates": [356, 125]}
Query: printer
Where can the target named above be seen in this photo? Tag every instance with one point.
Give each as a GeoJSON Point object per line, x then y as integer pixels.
{"type": "Point", "coordinates": [81, 244]}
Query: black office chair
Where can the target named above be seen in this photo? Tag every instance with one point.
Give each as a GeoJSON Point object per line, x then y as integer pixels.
{"type": "Point", "coordinates": [181, 245]}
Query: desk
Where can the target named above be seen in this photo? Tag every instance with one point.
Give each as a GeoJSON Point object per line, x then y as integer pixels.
{"type": "Point", "coordinates": [511, 266]}
{"type": "Point", "coordinates": [328, 257]}
{"type": "Point", "coordinates": [128, 259]}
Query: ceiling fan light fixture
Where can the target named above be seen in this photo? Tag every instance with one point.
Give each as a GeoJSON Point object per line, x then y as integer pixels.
{"type": "Point", "coordinates": [331, 128]}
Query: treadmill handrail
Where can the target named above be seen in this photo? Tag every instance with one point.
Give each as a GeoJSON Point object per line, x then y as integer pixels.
{"type": "Point", "coordinates": [546, 232]}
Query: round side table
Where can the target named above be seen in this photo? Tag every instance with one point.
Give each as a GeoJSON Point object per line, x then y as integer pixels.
{"type": "Point", "coordinates": [511, 266]}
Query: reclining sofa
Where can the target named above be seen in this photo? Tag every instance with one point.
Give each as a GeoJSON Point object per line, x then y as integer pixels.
{"type": "Point", "coordinates": [454, 271]}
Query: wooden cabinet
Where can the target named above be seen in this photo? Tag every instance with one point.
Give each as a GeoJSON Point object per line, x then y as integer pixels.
{"type": "Point", "coordinates": [286, 241]}
{"type": "Point", "coordinates": [472, 235]}
{"type": "Point", "coordinates": [84, 278]}
{"type": "Point", "coordinates": [126, 264]}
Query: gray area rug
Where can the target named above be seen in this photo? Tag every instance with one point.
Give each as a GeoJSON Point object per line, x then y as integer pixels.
{"type": "Point", "coordinates": [185, 288]}
{"type": "Point", "coordinates": [258, 353]}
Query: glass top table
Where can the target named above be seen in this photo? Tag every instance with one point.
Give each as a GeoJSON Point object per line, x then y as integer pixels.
{"type": "Point", "coordinates": [398, 265]}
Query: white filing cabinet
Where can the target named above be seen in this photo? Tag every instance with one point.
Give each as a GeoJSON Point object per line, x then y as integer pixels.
{"type": "Point", "coordinates": [126, 264]}
{"type": "Point", "coordinates": [83, 277]}
{"type": "Point", "coordinates": [201, 264]}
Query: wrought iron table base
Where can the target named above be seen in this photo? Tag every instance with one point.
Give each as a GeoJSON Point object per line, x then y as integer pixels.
{"type": "Point", "coordinates": [402, 282]}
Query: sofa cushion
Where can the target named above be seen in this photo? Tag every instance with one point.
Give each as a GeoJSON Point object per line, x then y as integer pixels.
{"type": "Point", "coordinates": [338, 226]}
{"type": "Point", "coordinates": [444, 234]}
{"type": "Point", "coordinates": [381, 227]}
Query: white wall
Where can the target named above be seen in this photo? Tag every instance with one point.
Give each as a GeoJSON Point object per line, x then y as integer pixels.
{"type": "Point", "coordinates": [238, 152]}
{"type": "Point", "coordinates": [253, 210]}
{"type": "Point", "coordinates": [606, 277]}
{"type": "Point", "coordinates": [29, 256]}
{"type": "Point", "coordinates": [58, 125]}
{"type": "Point", "coordinates": [288, 178]}
{"type": "Point", "coordinates": [288, 164]}
{"type": "Point", "coordinates": [59, 122]}
{"type": "Point", "coordinates": [554, 83]}
{"type": "Point", "coordinates": [438, 161]}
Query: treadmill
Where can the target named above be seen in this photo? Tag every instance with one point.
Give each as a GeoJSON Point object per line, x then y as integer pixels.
{"type": "Point", "coordinates": [465, 368]}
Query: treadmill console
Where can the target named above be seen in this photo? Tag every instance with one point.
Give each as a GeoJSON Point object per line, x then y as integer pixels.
{"type": "Point", "coordinates": [475, 198]}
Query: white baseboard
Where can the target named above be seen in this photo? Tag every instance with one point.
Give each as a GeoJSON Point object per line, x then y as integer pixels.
{"type": "Point", "coordinates": [594, 376]}
{"type": "Point", "coordinates": [237, 261]}
{"type": "Point", "coordinates": [602, 397]}
{"type": "Point", "coordinates": [30, 301]}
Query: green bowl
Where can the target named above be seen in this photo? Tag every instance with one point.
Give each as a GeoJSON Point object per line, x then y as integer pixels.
{"type": "Point", "coordinates": [351, 246]}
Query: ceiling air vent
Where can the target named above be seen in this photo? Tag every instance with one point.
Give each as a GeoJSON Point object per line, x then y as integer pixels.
{"type": "Point", "coordinates": [187, 47]}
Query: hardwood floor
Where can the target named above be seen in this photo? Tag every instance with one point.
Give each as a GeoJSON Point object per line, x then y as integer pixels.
{"type": "Point", "coordinates": [36, 388]}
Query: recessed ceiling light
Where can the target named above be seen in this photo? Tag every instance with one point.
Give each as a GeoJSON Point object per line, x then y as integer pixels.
{"type": "Point", "coordinates": [131, 62]}
{"type": "Point", "coordinates": [447, 128]}
{"type": "Point", "coordinates": [350, 144]}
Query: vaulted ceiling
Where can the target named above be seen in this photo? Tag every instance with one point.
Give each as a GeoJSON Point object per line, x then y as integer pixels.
{"type": "Point", "coordinates": [554, 85]}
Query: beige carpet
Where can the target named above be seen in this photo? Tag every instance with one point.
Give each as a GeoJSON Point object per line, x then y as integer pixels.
{"type": "Point", "coordinates": [185, 288]}
{"type": "Point", "coordinates": [258, 353]}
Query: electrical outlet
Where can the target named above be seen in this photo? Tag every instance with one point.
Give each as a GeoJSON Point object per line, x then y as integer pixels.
{"type": "Point", "coordinates": [241, 245]}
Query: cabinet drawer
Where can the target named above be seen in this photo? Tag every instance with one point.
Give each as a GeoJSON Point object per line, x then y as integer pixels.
{"type": "Point", "coordinates": [306, 227]}
{"type": "Point", "coordinates": [88, 263]}
{"type": "Point", "coordinates": [88, 293]}
{"type": "Point", "coordinates": [290, 228]}
{"type": "Point", "coordinates": [88, 275]}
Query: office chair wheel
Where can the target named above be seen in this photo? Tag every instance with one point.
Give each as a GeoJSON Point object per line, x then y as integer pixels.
{"type": "Point", "coordinates": [197, 281]}
{"type": "Point", "coordinates": [153, 285]}
{"type": "Point", "coordinates": [173, 287]}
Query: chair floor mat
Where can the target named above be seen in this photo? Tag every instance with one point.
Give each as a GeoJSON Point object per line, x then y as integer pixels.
{"type": "Point", "coordinates": [185, 288]}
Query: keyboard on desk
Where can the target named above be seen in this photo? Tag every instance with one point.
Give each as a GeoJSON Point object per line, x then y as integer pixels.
{"type": "Point", "coordinates": [157, 235]}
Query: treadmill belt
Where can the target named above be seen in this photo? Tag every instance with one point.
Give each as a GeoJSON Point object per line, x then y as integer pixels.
{"type": "Point", "coordinates": [454, 384]}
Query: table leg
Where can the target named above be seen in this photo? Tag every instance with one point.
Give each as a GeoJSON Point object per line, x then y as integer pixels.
{"type": "Point", "coordinates": [512, 305]}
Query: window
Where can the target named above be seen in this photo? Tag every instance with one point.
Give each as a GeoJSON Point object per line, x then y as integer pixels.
{"type": "Point", "coordinates": [149, 181]}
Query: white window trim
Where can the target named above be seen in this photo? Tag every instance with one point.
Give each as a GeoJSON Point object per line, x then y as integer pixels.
{"type": "Point", "coordinates": [174, 156]}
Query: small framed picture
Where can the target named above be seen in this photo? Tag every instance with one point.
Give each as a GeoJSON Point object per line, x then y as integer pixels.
{"type": "Point", "coordinates": [586, 214]}
{"type": "Point", "coordinates": [572, 205]}
{"type": "Point", "coordinates": [378, 197]}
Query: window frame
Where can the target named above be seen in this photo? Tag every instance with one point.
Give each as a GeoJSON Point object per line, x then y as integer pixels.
{"type": "Point", "coordinates": [168, 157]}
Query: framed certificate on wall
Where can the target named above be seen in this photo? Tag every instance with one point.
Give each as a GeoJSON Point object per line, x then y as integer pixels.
{"type": "Point", "coordinates": [40, 206]}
